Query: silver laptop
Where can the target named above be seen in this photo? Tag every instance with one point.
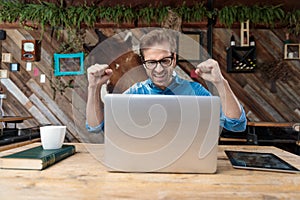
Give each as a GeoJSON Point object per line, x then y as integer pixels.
{"type": "Point", "coordinates": [161, 133]}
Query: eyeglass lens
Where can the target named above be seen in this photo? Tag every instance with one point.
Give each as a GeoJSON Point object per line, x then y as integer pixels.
{"type": "Point", "coordinates": [165, 62]}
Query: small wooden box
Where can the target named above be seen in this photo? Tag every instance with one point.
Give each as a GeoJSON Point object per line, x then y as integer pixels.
{"type": "Point", "coordinates": [241, 59]}
{"type": "Point", "coordinates": [292, 51]}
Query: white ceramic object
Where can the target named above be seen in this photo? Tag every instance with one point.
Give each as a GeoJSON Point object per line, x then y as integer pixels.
{"type": "Point", "coordinates": [52, 137]}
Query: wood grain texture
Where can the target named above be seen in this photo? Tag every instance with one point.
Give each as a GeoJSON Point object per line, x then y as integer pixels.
{"type": "Point", "coordinates": [82, 176]}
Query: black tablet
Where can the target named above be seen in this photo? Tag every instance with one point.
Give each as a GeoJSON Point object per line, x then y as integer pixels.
{"type": "Point", "coordinates": [259, 161]}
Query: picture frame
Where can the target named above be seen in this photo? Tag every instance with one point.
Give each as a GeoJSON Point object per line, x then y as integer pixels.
{"type": "Point", "coordinates": [30, 50]}
{"type": "Point", "coordinates": [14, 67]}
{"type": "Point", "coordinates": [6, 57]}
{"type": "Point", "coordinates": [68, 64]}
{"type": "Point", "coordinates": [3, 73]}
{"type": "Point", "coordinates": [292, 51]}
{"type": "Point", "coordinates": [189, 45]}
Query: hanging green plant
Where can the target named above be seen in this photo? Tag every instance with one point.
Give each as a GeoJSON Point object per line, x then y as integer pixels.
{"type": "Point", "coordinates": [266, 15]}
{"type": "Point", "coordinates": [292, 21]}
{"type": "Point", "coordinates": [46, 13]}
{"type": "Point", "coordinates": [10, 10]}
{"type": "Point", "coordinates": [73, 42]}
{"type": "Point", "coordinates": [189, 14]}
{"type": "Point", "coordinates": [151, 13]}
{"type": "Point", "coordinates": [57, 84]}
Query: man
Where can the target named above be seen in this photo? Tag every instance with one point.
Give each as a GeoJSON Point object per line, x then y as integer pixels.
{"type": "Point", "coordinates": [157, 51]}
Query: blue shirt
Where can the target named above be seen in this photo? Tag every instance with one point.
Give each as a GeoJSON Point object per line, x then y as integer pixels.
{"type": "Point", "coordinates": [180, 86]}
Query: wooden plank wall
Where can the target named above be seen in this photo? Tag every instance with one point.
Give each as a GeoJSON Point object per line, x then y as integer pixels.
{"type": "Point", "coordinates": [27, 96]}
{"type": "Point", "coordinates": [254, 89]}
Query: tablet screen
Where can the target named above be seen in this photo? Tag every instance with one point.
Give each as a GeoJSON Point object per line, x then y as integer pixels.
{"type": "Point", "coordinates": [260, 161]}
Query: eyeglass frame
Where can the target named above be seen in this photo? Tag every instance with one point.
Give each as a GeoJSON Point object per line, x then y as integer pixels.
{"type": "Point", "coordinates": [159, 61]}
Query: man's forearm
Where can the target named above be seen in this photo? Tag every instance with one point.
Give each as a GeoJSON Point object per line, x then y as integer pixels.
{"type": "Point", "coordinates": [94, 109]}
{"type": "Point", "coordinates": [230, 104]}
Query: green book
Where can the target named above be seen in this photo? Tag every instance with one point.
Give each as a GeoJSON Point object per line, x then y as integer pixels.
{"type": "Point", "coordinates": [36, 158]}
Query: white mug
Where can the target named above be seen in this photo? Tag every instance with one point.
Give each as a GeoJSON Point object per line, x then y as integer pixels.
{"type": "Point", "coordinates": [52, 137]}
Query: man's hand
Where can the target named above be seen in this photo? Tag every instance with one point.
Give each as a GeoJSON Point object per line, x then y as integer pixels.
{"type": "Point", "coordinates": [98, 74]}
{"type": "Point", "coordinates": [209, 70]}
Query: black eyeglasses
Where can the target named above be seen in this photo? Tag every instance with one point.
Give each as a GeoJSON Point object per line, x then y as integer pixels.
{"type": "Point", "coordinates": [164, 62]}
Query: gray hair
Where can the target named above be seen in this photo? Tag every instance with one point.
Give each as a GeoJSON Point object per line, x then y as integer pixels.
{"type": "Point", "coordinates": [157, 37]}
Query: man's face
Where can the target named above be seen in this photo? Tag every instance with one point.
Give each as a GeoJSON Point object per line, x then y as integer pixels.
{"type": "Point", "coordinates": [159, 72]}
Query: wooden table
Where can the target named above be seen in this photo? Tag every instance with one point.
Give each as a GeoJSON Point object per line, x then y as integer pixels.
{"type": "Point", "coordinates": [81, 176]}
{"type": "Point", "coordinates": [271, 124]}
{"type": "Point", "coordinates": [14, 119]}
{"type": "Point", "coordinates": [11, 119]}
{"type": "Point", "coordinates": [253, 125]}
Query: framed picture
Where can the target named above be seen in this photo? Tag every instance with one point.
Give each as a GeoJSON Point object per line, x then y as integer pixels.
{"type": "Point", "coordinates": [190, 46]}
{"type": "Point", "coordinates": [30, 50]}
{"type": "Point", "coordinates": [6, 57]}
{"type": "Point", "coordinates": [14, 67]}
{"type": "Point", "coordinates": [3, 73]}
{"type": "Point", "coordinates": [292, 51]}
{"type": "Point", "coordinates": [68, 64]}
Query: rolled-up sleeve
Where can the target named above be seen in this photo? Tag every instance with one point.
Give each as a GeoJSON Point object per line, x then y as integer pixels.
{"type": "Point", "coordinates": [234, 124]}
{"type": "Point", "coordinates": [95, 129]}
